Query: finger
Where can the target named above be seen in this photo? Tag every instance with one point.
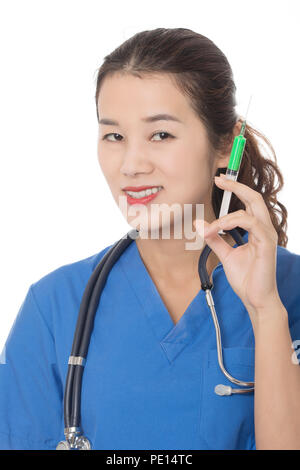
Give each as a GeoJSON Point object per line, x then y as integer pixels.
{"type": "Point", "coordinates": [219, 246]}
{"type": "Point", "coordinates": [240, 219]}
{"type": "Point", "coordinates": [252, 199]}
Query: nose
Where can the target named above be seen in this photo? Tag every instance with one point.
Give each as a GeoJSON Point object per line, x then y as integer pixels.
{"type": "Point", "coordinates": [135, 161]}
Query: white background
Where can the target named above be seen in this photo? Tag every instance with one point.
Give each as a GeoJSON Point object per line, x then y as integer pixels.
{"type": "Point", "coordinates": [56, 207]}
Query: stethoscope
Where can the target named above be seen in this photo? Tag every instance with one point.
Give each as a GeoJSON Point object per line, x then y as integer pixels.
{"type": "Point", "coordinates": [84, 327]}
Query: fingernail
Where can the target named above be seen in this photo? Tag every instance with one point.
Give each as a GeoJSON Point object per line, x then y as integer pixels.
{"type": "Point", "coordinates": [218, 179]}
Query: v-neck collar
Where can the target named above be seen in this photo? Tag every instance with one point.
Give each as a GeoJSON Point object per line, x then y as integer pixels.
{"type": "Point", "coordinates": [173, 338]}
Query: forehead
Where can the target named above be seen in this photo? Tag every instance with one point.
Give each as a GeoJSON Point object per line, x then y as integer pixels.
{"type": "Point", "coordinates": [147, 95]}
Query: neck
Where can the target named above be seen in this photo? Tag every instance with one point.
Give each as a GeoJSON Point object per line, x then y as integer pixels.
{"type": "Point", "coordinates": [169, 260]}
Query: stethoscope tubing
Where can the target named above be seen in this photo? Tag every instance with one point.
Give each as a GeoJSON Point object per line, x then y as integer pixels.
{"type": "Point", "coordinates": [207, 286]}
{"type": "Point", "coordinates": [84, 327]}
{"type": "Point", "coordinates": [83, 311]}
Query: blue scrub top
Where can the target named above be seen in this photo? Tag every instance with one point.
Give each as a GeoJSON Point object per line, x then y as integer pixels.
{"type": "Point", "coordinates": [147, 383]}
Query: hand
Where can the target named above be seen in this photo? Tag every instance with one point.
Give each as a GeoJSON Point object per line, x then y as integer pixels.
{"type": "Point", "coordinates": [250, 268]}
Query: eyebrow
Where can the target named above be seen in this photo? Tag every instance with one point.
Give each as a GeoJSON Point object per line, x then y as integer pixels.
{"type": "Point", "coordinates": [154, 118]}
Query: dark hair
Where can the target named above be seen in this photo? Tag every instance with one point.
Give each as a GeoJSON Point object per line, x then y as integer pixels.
{"type": "Point", "coordinates": [202, 72]}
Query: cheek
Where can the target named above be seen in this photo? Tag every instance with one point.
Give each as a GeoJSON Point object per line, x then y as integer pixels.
{"type": "Point", "coordinates": [108, 165]}
{"type": "Point", "coordinates": [111, 176]}
{"type": "Point", "coordinates": [175, 164]}
{"type": "Point", "coordinates": [190, 176]}
{"type": "Point", "coordinates": [186, 167]}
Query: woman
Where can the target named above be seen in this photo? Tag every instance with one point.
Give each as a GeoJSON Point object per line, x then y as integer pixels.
{"type": "Point", "coordinates": [152, 363]}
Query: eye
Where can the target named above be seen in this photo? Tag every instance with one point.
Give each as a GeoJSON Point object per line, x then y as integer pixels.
{"type": "Point", "coordinates": [112, 133]}
{"type": "Point", "coordinates": [163, 133]}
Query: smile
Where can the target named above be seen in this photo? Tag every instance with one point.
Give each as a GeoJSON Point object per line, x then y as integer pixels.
{"type": "Point", "coordinates": [141, 194]}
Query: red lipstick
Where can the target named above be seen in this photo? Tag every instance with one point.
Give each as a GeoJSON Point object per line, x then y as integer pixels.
{"type": "Point", "coordinates": [142, 200]}
{"type": "Point", "coordinates": [138, 188]}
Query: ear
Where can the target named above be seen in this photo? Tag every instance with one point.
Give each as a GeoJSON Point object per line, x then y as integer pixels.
{"type": "Point", "coordinates": [223, 157]}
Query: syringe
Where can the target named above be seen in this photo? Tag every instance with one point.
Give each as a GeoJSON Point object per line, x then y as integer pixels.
{"type": "Point", "coordinates": [233, 168]}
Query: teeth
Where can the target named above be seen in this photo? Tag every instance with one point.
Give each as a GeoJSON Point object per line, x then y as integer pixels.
{"type": "Point", "coordinates": [141, 194]}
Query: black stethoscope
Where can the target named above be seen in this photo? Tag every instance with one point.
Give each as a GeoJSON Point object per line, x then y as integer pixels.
{"type": "Point", "coordinates": [75, 440]}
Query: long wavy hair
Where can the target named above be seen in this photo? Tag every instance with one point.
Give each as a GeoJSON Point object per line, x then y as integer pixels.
{"type": "Point", "coordinates": [203, 73]}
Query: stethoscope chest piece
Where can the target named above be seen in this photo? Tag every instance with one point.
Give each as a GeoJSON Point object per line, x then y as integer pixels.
{"type": "Point", "coordinates": [81, 443]}
{"type": "Point", "coordinates": [74, 440]}
{"type": "Point", "coordinates": [63, 445]}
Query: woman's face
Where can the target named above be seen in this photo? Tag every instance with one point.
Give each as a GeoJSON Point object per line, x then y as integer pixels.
{"type": "Point", "coordinates": [137, 154]}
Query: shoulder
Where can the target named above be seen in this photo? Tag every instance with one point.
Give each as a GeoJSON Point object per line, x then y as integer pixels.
{"type": "Point", "coordinates": [65, 284]}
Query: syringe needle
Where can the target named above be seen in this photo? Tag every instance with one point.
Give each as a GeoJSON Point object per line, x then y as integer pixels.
{"type": "Point", "coordinates": [248, 107]}
{"type": "Point", "coordinates": [244, 122]}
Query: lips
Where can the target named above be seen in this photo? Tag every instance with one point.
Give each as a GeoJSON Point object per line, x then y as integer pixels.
{"type": "Point", "coordinates": [142, 200]}
{"type": "Point", "coordinates": [138, 188]}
